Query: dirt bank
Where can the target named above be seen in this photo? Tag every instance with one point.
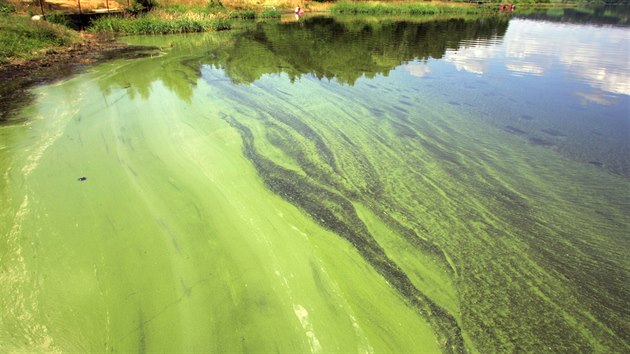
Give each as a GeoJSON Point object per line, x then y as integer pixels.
{"type": "Point", "coordinates": [89, 49]}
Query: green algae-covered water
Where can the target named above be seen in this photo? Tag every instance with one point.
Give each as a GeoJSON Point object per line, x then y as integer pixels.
{"type": "Point", "coordinates": [324, 186]}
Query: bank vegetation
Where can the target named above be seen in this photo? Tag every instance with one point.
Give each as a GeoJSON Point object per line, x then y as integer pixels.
{"type": "Point", "coordinates": [32, 29]}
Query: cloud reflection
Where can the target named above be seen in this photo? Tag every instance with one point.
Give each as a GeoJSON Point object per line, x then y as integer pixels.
{"type": "Point", "coordinates": [594, 97]}
{"type": "Point", "coordinates": [473, 56]}
{"type": "Point", "coordinates": [525, 68]}
{"type": "Point", "coordinates": [594, 55]}
{"type": "Point", "coordinates": [417, 69]}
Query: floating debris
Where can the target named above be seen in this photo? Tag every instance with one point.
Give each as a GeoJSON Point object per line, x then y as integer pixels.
{"type": "Point", "coordinates": [554, 133]}
{"type": "Point", "coordinates": [513, 130]}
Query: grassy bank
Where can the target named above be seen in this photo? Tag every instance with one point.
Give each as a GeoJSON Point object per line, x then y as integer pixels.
{"type": "Point", "coordinates": [22, 39]}
{"type": "Point", "coordinates": [174, 18]}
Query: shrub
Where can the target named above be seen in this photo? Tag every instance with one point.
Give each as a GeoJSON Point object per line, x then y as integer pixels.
{"type": "Point", "coordinates": [58, 19]}
{"type": "Point", "coordinates": [245, 15]}
{"type": "Point", "coordinates": [214, 6]}
{"type": "Point", "coordinates": [6, 8]}
{"type": "Point", "coordinates": [146, 4]}
{"type": "Point", "coordinates": [270, 13]}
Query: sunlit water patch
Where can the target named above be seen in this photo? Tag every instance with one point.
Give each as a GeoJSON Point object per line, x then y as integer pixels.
{"type": "Point", "coordinates": [326, 186]}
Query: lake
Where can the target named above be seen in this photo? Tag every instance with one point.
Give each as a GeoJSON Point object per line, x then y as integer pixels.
{"type": "Point", "coordinates": [330, 184]}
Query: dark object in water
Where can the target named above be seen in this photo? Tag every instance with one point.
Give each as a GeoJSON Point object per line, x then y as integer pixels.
{"type": "Point", "coordinates": [81, 179]}
{"type": "Point", "coordinates": [513, 130]}
{"type": "Point", "coordinates": [540, 142]}
{"type": "Point", "coordinates": [554, 133]}
{"type": "Point", "coordinates": [596, 163]}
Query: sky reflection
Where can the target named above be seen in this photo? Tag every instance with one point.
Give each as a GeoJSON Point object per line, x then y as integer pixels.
{"type": "Point", "coordinates": [597, 56]}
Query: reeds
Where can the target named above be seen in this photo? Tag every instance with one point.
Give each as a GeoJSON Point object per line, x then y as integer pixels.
{"type": "Point", "coordinates": [155, 25]}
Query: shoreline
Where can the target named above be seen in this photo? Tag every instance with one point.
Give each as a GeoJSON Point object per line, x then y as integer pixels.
{"type": "Point", "coordinates": [90, 49]}
{"type": "Point", "coordinates": [58, 63]}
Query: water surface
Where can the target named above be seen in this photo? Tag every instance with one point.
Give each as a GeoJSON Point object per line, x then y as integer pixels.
{"type": "Point", "coordinates": [332, 185]}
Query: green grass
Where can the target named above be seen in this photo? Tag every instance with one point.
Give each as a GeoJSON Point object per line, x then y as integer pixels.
{"type": "Point", "coordinates": [23, 39]}
{"type": "Point", "coordinates": [153, 25]}
{"type": "Point", "coordinates": [270, 13]}
{"type": "Point", "coordinates": [407, 9]}
{"type": "Point", "coordinates": [6, 8]}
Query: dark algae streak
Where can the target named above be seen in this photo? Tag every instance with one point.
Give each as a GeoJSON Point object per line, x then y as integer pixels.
{"type": "Point", "coordinates": [337, 214]}
{"type": "Point", "coordinates": [522, 282]}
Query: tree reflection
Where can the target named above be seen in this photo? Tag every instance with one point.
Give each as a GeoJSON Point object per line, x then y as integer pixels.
{"type": "Point", "coordinates": [344, 51]}
{"type": "Point", "coordinates": [137, 77]}
{"type": "Point", "coordinates": [327, 48]}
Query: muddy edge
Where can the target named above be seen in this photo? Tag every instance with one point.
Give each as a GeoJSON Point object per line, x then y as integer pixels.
{"type": "Point", "coordinates": [17, 78]}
